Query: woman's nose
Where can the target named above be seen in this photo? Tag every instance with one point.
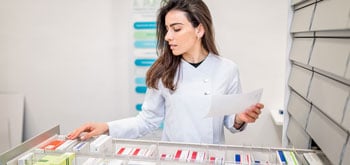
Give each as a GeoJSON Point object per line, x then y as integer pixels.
{"type": "Point", "coordinates": [168, 36]}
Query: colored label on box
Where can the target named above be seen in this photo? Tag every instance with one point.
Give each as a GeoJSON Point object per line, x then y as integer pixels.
{"type": "Point", "coordinates": [52, 145]}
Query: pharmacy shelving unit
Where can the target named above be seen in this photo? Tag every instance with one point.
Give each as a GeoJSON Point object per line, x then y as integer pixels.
{"type": "Point", "coordinates": [50, 147]}
{"type": "Point", "coordinates": [319, 81]}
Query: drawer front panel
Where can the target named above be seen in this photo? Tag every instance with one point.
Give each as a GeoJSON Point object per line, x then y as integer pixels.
{"type": "Point", "coordinates": [331, 55]}
{"type": "Point", "coordinates": [300, 79]}
{"type": "Point", "coordinates": [299, 108]}
{"type": "Point", "coordinates": [328, 136]}
{"type": "Point", "coordinates": [329, 95]}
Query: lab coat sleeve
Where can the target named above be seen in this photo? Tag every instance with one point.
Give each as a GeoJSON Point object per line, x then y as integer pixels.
{"type": "Point", "coordinates": [229, 121]}
{"type": "Point", "coordinates": [147, 120]}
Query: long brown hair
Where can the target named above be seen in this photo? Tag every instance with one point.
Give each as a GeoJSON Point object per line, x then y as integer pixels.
{"type": "Point", "coordinates": [166, 65]}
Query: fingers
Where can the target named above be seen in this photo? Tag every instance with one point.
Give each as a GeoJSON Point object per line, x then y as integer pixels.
{"type": "Point", "coordinates": [259, 105]}
{"type": "Point", "coordinates": [90, 130]}
{"type": "Point", "coordinates": [252, 113]}
{"type": "Point", "coordinates": [88, 135]}
{"type": "Point", "coordinates": [246, 117]}
{"type": "Point", "coordinates": [250, 117]}
{"type": "Point", "coordinates": [77, 132]}
{"type": "Point", "coordinates": [73, 135]}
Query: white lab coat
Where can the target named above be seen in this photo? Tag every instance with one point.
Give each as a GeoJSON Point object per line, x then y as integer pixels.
{"type": "Point", "coordinates": [184, 110]}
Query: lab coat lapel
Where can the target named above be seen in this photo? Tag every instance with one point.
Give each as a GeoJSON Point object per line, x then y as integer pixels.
{"type": "Point", "coordinates": [191, 104]}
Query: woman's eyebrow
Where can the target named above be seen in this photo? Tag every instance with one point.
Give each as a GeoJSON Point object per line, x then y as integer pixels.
{"type": "Point", "coordinates": [173, 24]}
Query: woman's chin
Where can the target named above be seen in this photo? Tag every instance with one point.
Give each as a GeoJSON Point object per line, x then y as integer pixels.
{"type": "Point", "coordinates": [175, 53]}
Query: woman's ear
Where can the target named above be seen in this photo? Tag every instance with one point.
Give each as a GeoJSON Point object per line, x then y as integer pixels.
{"type": "Point", "coordinates": [200, 31]}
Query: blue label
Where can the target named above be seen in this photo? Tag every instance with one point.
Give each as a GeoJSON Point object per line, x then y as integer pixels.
{"type": "Point", "coordinates": [238, 158]}
{"type": "Point", "coordinates": [141, 89]}
{"type": "Point", "coordinates": [144, 62]}
{"type": "Point", "coordinates": [138, 107]}
{"type": "Point", "coordinates": [140, 80]}
{"type": "Point", "coordinates": [281, 156]}
{"type": "Point", "coordinates": [145, 44]}
{"type": "Point", "coordinates": [161, 125]}
{"type": "Point", "coordinates": [145, 25]}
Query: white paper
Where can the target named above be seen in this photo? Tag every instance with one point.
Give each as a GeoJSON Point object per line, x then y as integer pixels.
{"type": "Point", "coordinates": [231, 104]}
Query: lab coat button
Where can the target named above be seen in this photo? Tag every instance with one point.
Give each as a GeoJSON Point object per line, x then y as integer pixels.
{"type": "Point", "coordinates": [205, 80]}
{"type": "Point", "coordinates": [207, 93]}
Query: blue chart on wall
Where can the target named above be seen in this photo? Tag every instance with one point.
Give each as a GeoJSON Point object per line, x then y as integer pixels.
{"type": "Point", "coordinates": [144, 47]}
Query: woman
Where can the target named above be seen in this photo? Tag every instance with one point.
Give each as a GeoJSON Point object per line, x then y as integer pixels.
{"type": "Point", "coordinates": [181, 81]}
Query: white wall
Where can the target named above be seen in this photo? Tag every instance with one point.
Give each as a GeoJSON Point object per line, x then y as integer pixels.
{"type": "Point", "coordinates": [70, 59]}
{"type": "Point", "coordinates": [254, 34]}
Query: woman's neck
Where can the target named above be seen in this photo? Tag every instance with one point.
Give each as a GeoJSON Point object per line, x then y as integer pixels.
{"type": "Point", "coordinates": [195, 57]}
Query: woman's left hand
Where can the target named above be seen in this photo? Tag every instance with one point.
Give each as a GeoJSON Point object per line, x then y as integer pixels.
{"type": "Point", "coordinates": [250, 114]}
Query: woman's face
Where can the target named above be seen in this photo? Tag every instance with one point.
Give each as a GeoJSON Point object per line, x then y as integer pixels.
{"type": "Point", "coordinates": [181, 35]}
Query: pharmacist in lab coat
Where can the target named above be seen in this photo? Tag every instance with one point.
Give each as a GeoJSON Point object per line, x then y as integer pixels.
{"type": "Point", "coordinates": [187, 72]}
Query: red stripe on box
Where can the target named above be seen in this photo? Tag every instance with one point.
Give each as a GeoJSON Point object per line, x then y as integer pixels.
{"type": "Point", "coordinates": [163, 156]}
{"type": "Point", "coordinates": [212, 158]}
{"type": "Point", "coordinates": [194, 155]}
{"type": "Point", "coordinates": [137, 150]}
{"type": "Point", "coordinates": [121, 151]}
{"type": "Point", "coordinates": [178, 153]}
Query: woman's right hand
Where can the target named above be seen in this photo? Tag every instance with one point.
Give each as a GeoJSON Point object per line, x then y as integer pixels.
{"type": "Point", "coordinates": [90, 130]}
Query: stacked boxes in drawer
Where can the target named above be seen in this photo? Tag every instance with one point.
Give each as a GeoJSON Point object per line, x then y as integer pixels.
{"type": "Point", "coordinates": [104, 150]}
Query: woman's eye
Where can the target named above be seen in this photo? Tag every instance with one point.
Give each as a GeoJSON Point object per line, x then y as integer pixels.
{"type": "Point", "coordinates": [176, 30]}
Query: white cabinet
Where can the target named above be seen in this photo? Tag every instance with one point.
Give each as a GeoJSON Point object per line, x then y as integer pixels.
{"type": "Point", "coordinates": [320, 76]}
{"type": "Point", "coordinates": [328, 136]}
{"type": "Point", "coordinates": [331, 55]}
{"type": "Point", "coordinates": [329, 95]}
{"type": "Point", "coordinates": [346, 120]}
{"type": "Point", "coordinates": [297, 135]}
{"type": "Point", "coordinates": [302, 19]}
{"type": "Point", "coordinates": [346, 159]}
{"type": "Point", "coordinates": [301, 49]}
{"type": "Point", "coordinates": [11, 116]}
{"type": "Point", "coordinates": [299, 108]}
{"type": "Point", "coordinates": [331, 15]}
{"type": "Point", "coordinates": [299, 79]}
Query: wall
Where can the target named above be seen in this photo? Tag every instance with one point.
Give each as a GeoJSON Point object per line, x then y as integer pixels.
{"type": "Point", "coordinates": [254, 35]}
{"type": "Point", "coordinates": [70, 59]}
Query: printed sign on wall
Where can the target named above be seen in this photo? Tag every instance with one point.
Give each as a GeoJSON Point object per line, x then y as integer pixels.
{"type": "Point", "coordinates": [144, 47]}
